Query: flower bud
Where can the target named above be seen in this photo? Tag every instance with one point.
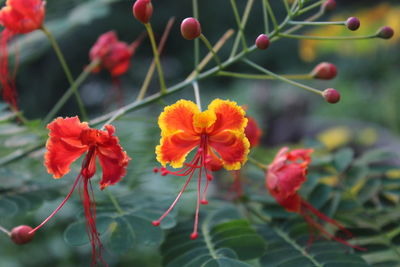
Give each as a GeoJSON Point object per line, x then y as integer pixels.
{"type": "Point", "coordinates": [324, 71]}
{"type": "Point", "coordinates": [190, 28]}
{"type": "Point", "coordinates": [385, 32]}
{"type": "Point", "coordinates": [328, 5]}
{"type": "Point", "coordinates": [331, 95]}
{"type": "Point", "coordinates": [20, 235]}
{"type": "Point", "coordinates": [262, 42]}
{"type": "Point", "coordinates": [143, 10]}
{"type": "Point", "coordinates": [353, 23]}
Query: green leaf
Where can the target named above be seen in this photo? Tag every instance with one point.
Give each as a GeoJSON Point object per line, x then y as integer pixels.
{"type": "Point", "coordinates": [343, 158]}
{"type": "Point", "coordinates": [122, 237]}
{"type": "Point", "coordinates": [76, 235]}
{"type": "Point", "coordinates": [145, 233]}
{"type": "Point", "coordinates": [219, 243]}
{"type": "Point", "coordinates": [375, 155]}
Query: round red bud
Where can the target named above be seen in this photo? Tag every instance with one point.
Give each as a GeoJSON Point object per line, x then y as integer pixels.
{"type": "Point", "coordinates": [143, 10]}
{"type": "Point", "coordinates": [385, 32]}
{"type": "Point", "coordinates": [331, 95]}
{"type": "Point", "coordinates": [262, 42]}
{"type": "Point", "coordinates": [353, 23]}
{"type": "Point", "coordinates": [190, 28]}
{"type": "Point", "coordinates": [194, 236]}
{"type": "Point", "coordinates": [20, 235]}
{"type": "Point", "coordinates": [328, 5]}
{"type": "Point", "coordinates": [324, 71]}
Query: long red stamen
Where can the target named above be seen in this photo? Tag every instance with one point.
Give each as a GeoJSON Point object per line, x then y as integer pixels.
{"type": "Point", "coordinates": [59, 207]}
{"type": "Point", "coordinates": [307, 208]}
{"type": "Point", "coordinates": [6, 79]}
{"type": "Point", "coordinates": [89, 206]}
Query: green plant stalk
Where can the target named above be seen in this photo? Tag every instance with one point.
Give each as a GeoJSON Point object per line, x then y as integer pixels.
{"type": "Point", "coordinates": [265, 17]}
{"type": "Point", "coordinates": [285, 2]}
{"type": "Point", "coordinates": [257, 67]}
{"type": "Point", "coordinates": [66, 69]}
{"type": "Point", "coordinates": [328, 38]}
{"type": "Point", "coordinates": [211, 49]}
{"type": "Point", "coordinates": [257, 163]}
{"type": "Point", "coordinates": [197, 94]}
{"type": "Point", "coordinates": [4, 230]}
{"type": "Point", "coordinates": [81, 78]}
{"type": "Point", "coordinates": [317, 23]}
{"type": "Point", "coordinates": [310, 7]}
{"type": "Point", "coordinates": [272, 15]}
{"type": "Point", "coordinates": [243, 23]}
{"type": "Point", "coordinates": [150, 72]}
{"type": "Point", "coordinates": [114, 201]}
{"type": "Point", "coordinates": [196, 41]}
{"type": "Point", "coordinates": [264, 77]}
{"type": "Point", "coordinates": [156, 58]}
{"type": "Point", "coordinates": [239, 24]}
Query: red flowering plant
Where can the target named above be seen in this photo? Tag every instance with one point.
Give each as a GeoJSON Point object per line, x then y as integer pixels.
{"type": "Point", "coordinates": [189, 143]}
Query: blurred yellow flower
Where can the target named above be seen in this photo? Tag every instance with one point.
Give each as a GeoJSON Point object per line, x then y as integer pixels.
{"type": "Point", "coordinates": [371, 19]}
{"type": "Point", "coordinates": [335, 137]}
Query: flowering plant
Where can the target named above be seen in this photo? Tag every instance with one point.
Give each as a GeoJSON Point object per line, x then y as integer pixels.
{"type": "Point", "coordinates": [243, 197]}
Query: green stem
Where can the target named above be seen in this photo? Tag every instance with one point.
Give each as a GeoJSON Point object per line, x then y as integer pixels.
{"type": "Point", "coordinates": [265, 17]}
{"type": "Point", "coordinates": [74, 87]}
{"type": "Point", "coordinates": [310, 7]}
{"type": "Point", "coordinates": [115, 202]}
{"type": "Point", "coordinates": [208, 239]}
{"type": "Point", "coordinates": [317, 23]}
{"type": "Point", "coordinates": [264, 77]}
{"type": "Point", "coordinates": [285, 2]}
{"type": "Point", "coordinates": [257, 163]}
{"type": "Point", "coordinates": [308, 88]}
{"type": "Point", "coordinates": [330, 38]}
{"type": "Point", "coordinates": [196, 41]}
{"type": "Point", "coordinates": [240, 27]}
{"type": "Point", "coordinates": [272, 15]}
{"type": "Point", "coordinates": [4, 230]}
{"type": "Point", "coordinates": [156, 57]}
{"type": "Point", "coordinates": [241, 35]}
{"type": "Point", "coordinates": [66, 69]}
{"type": "Point", "coordinates": [312, 18]}
{"type": "Point", "coordinates": [209, 46]}
{"type": "Point", "coordinates": [197, 94]}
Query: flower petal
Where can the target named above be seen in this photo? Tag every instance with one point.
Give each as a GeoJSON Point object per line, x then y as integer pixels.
{"type": "Point", "coordinates": [178, 117]}
{"type": "Point", "coordinates": [232, 147]}
{"type": "Point", "coordinates": [230, 116]}
{"type": "Point", "coordinates": [113, 159]}
{"type": "Point", "coordinates": [64, 145]}
{"type": "Point", "coordinates": [173, 149]}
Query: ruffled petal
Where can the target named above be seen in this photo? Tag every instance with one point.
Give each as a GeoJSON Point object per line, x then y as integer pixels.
{"type": "Point", "coordinates": [64, 145]}
{"type": "Point", "coordinates": [230, 116]}
{"type": "Point", "coordinates": [173, 149]}
{"type": "Point", "coordinates": [253, 132]}
{"type": "Point", "coordinates": [232, 147]}
{"type": "Point", "coordinates": [113, 159]}
{"type": "Point", "coordinates": [178, 117]}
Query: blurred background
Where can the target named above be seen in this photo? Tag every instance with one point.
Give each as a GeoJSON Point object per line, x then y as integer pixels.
{"type": "Point", "coordinates": [368, 80]}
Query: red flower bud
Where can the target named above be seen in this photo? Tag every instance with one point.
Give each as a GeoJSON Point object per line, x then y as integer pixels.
{"type": "Point", "coordinates": [143, 10]}
{"type": "Point", "coordinates": [190, 28]}
{"type": "Point", "coordinates": [385, 32]}
{"type": "Point", "coordinates": [353, 23]}
{"type": "Point", "coordinates": [324, 71]}
{"type": "Point", "coordinates": [262, 41]}
{"type": "Point", "coordinates": [328, 5]}
{"type": "Point", "coordinates": [20, 235]}
{"type": "Point", "coordinates": [331, 95]}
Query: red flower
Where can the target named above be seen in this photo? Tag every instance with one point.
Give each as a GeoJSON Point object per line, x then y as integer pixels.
{"type": "Point", "coordinates": [18, 16]}
{"type": "Point", "coordinates": [114, 55]}
{"type": "Point", "coordinates": [217, 134]}
{"type": "Point", "coordinates": [284, 178]}
{"type": "Point", "coordinates": [68, 140]}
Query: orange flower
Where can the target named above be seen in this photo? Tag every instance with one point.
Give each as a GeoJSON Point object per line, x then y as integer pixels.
{"type": "Point", "coordinates": [284, 178]}
{"type": "Point", "coordinates": [68, 140]}
{"type": "Point", "coordinates": [218, 135]}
